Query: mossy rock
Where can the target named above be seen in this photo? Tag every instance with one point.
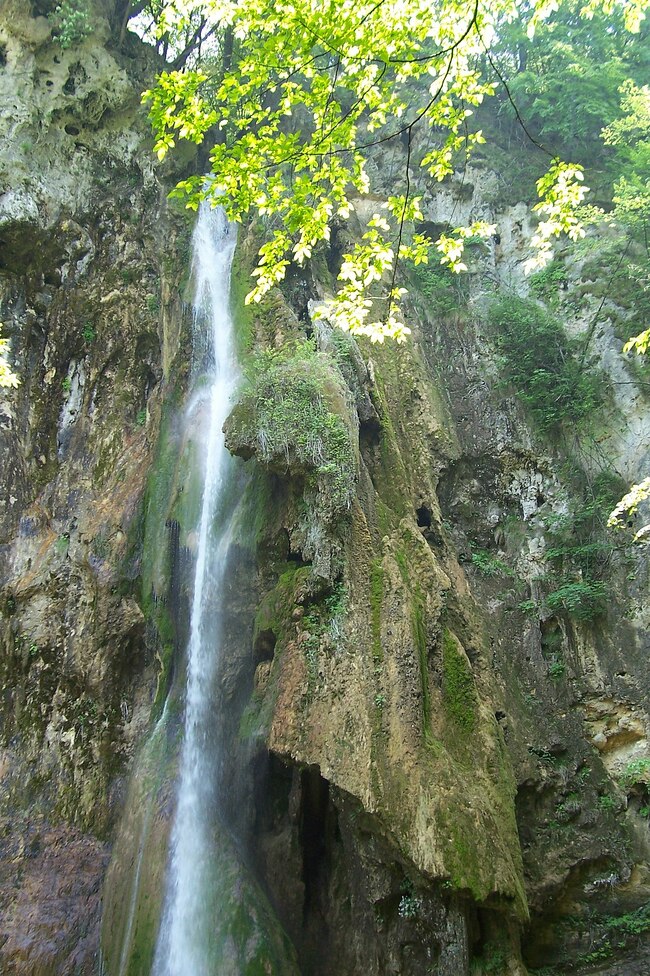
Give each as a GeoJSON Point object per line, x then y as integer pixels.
{"type": "Point", "coordinates": [295, 417]}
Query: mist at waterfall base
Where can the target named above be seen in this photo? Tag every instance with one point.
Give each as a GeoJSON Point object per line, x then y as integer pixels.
{"type": "Point", "coordinates": [182, 901]}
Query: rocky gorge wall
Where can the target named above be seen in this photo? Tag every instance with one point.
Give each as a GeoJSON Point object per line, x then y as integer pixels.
{"type": "Point", "coordinates": [433, 754]}
{"type": "Point", "coordinates": [92, 301]}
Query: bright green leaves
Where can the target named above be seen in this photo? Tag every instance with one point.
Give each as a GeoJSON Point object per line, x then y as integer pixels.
{"type": "Point", "coordinates": [628, 506]}
{"type": "Point", "coordinates": [638, 343]}
{"type": "Point", "coordinates": [351, 75]}
{"type": "Point", "coordinates": [633, 11]}
{"type": "Point", "coordinates": [561, 192]}
{"type": "Point", "coordinates": [540, 361]}
{"type": "Point", "coordinates": [366, 265]}
{"type": "Point", "coordinates": [635, 123]}
{"type": "Point", "coordinates": [178, 109]}
{"type": "Point", "coordinates": [312, 88]}
{"type": "Point", "coordinates": [72, 22]}
{"type": "Point", "coordinates": [630, 135]}
{"type": "Point", "coordinates": [7, 375]}
{"type": "Point", "coordinates": [452, 247]}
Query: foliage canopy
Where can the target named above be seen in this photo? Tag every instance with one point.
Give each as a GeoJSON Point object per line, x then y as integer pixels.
{"type": "Point", "coordinates": [302, 93]}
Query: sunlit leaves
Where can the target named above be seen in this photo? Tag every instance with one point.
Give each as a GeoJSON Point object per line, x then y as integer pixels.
{"type": "Point", "coordinates": [7, 376]}
{"type": "Point", "coordinates": [633, 11]}
{"type": "Point", "coordinates": [639, 343]}
{"type": "Point", "coordinates": [628, 506]}
{"type": "Point", "coordinates": [630, 135]}
{"type": "Point", "coordinates": [178, 109]}
{"type": "Point", "coordinates": [452, 246]}
{"type": "Point", "coordinates": [635, 123]}
{"type": "Point", "coordinates": [313, 86]}
{"type": "Point", "coordinates": [561, 191]}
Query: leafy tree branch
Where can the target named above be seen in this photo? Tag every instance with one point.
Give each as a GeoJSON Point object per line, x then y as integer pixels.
{"type": "Point", "coordinates": [309, 88]}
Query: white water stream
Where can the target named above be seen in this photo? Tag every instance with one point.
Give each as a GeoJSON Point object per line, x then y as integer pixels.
{"type": "Point", "coordinates": [183, 947]}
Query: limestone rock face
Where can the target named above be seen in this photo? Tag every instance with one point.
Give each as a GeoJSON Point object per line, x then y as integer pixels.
{"type": "Point", "coordinates": [91, 303]}
{"type": "Point", "coordinates": [50, 922]}
{"type": "Point", "coordinates": [442, 696]}
{"type": "Point", "coordinates": [435, 749]}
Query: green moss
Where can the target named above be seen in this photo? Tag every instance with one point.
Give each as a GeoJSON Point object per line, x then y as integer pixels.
{"type": "Point", "coordinates": [187, 489]}
{"type": "Point", "coordinates": [623, 283]}
{"type": "Point", "coordinates": [419, 633]}
{"type": "Point", "coordinates": [462, 852]}
{"type": "Point", "coordinates": [544, 365]}
{"type": "Point", "coordinates": [493, 960]}
{"type": "Point", "coordinates": [459, 692]}
{"type": "Point", "coordinates": [135, 881]}
{"type": "Point", "coordinates": [295, 410]}
{"type": "Point", "coordinates": [402, 563]}
{"type": "Point", "coordinates": [243, 315]}
{"type": "Point", "coordinates": [246, 931]}
{"type": "Point", "coordinates": [419, 627]}
{"type": "Point", "coordinates": [579, 553]}
{"type": "Point", "coordinates": [250, 723]}
{"type": "Point", "coordinates": [258, 323]}
{"type": "Point", "coordinates": [276, 608]}
{"type": "Point", "coordinates": [173, 492]}
{"type": "Point", "coordinates": [258, 514]}
{"type": "Point", "coordinates": [392, 476]}
{"type": "Point", "coordinates": [444, 292]}
{"type": "Point", "coordinates": [545, 284]}
{"type": "Point", "coordinates": [376, 599]}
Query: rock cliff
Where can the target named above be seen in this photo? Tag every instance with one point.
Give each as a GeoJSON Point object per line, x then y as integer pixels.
{"type": "Point", "coordinates": [436, 680]}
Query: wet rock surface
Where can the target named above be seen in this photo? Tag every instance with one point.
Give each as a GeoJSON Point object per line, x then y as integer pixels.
{"type": "Point", "coordinates": [424, 749]}
{"type": "Point", "coordinates": [92, 305]}
{"type": "Point", "coordinates": [51, 881]}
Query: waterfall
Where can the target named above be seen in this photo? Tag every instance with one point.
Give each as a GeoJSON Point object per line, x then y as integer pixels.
{"type": "Point", "coordinates": [184, 941]}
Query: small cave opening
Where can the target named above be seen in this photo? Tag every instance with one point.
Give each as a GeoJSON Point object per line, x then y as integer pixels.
{"type": "Point", "coordinates": [551, 637]}
{"type": "Point", "coordinates": [281, 545]}
{"type": "Point", "coordinates": [502, 722]}
{"type": "Point", "coordinates": [43, 8]}
{"type": "Point", "coordinates": [370, 432]}
{"type": "Point", "coordinates": [52, 277]}
{"type": "Point", "coordinates": [150, 381]}
{"type": "Point", "coordinates": [72, 130]}
{"type": "Point", "coordinates": [314, 822]}
{"type": "Point", "coordinates": [273, 782]}
{"type": "Point", "coordinates": [295, 557]}
{"type": "Point", "coordinates": [264, 645]}
{"type": "Point", "coordinates": [3, 55]}
{"type": "Point", "coordinates": [76, 76]}
{"type": "Point", "coordinates": [431, 229]}
{"type": "Point", "coordinates": [424, 517]}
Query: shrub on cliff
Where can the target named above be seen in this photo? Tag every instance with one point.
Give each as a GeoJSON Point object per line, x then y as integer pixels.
{"type": "Point", "coordinates": [294, 416]}
{"type": "Point", "coordinates": [541, 364]}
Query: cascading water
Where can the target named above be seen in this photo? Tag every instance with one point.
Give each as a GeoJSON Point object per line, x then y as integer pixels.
{"type": "Point", "coordinates": [182, 897]}
{"type": "Point", "coordinates": [185, 935]}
